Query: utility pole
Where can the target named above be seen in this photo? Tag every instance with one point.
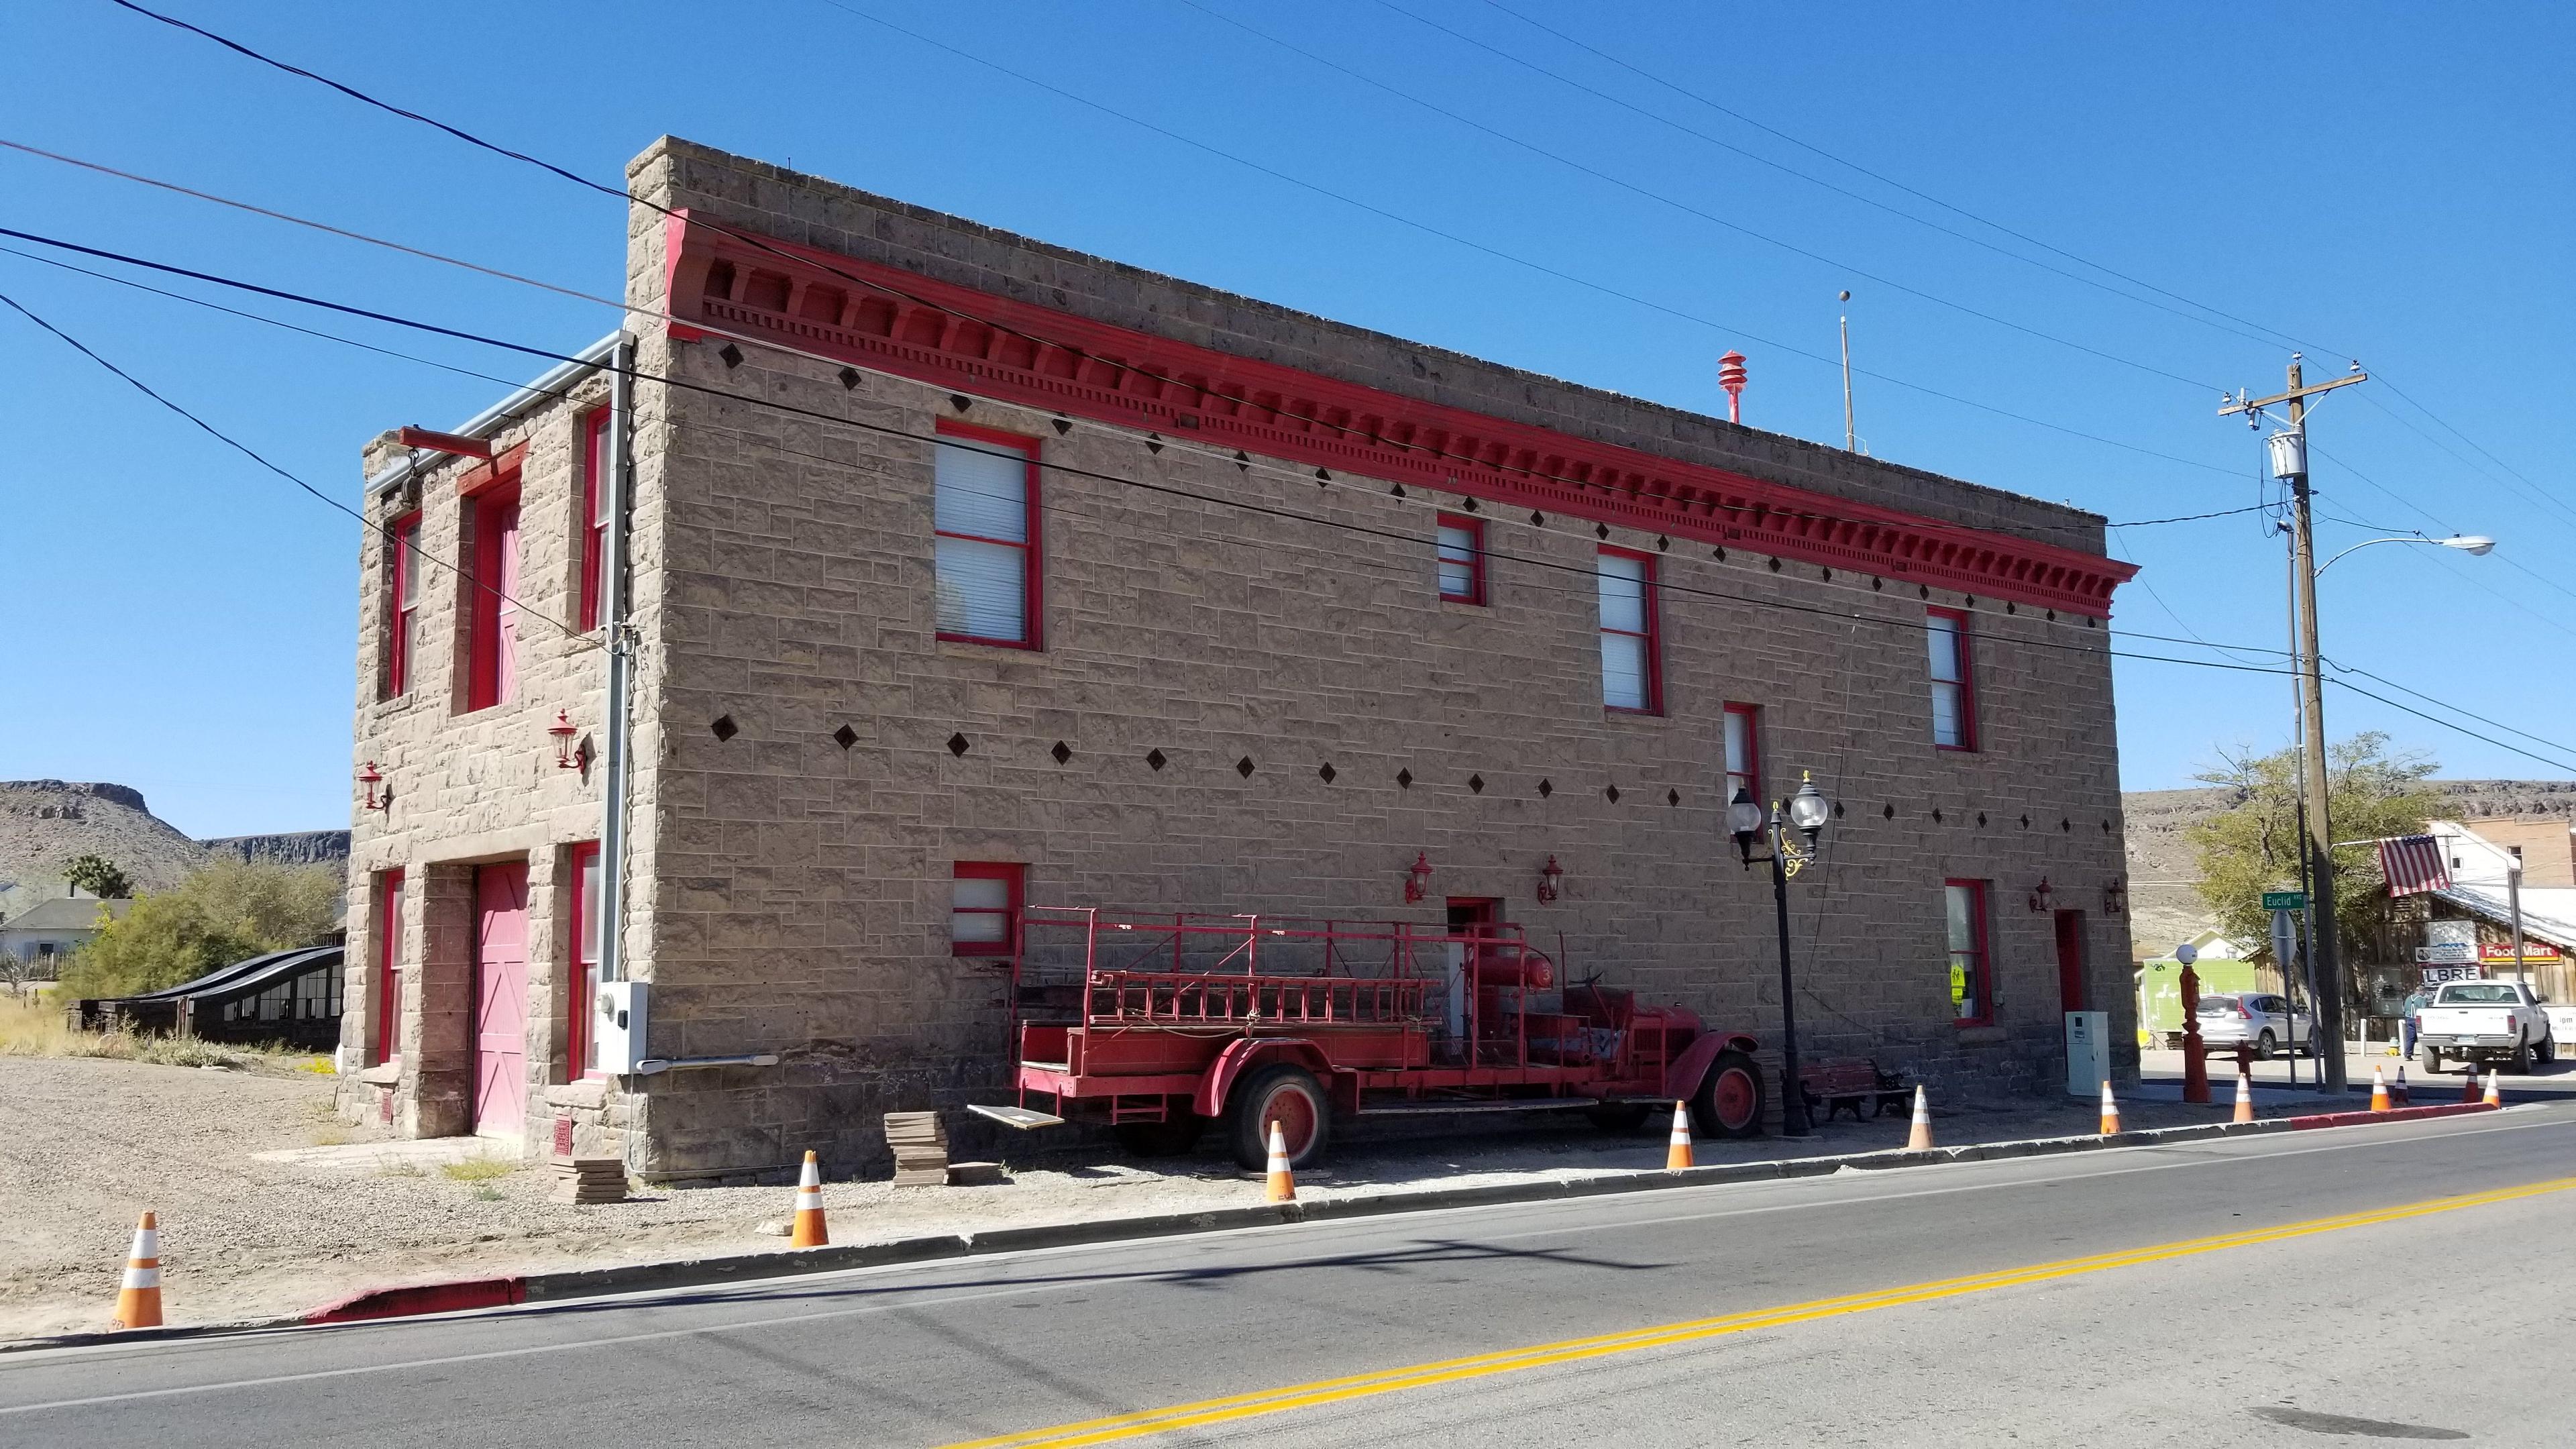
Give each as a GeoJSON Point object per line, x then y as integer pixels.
{"type": "Point", "coordinates": [2290, 464]}
{"type": "Point", "coordinates": [1851, 440]}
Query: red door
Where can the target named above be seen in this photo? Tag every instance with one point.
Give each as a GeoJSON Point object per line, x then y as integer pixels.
{"type": "Point", "coordinates": [501, 999]}
{"type": "Point", "coordinates": [2070, 960]}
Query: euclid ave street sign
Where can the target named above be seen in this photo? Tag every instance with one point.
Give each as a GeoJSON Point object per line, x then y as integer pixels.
{"type": "Point", "coordinates": [2285, 900]}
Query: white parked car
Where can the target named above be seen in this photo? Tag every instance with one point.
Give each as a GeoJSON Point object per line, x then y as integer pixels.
{"type": "Point", "coordinates": [2499, 1023]}
{"type": "Point", "coordinates": [2260, 1017]}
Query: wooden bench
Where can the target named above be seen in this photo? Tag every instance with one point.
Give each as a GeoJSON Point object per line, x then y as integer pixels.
{"type": "Point", "coordinates": [1847, 1083]}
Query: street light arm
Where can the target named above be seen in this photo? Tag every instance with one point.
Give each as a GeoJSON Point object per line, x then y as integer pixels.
{"type": "Point", "coordinates": [2466, 543]}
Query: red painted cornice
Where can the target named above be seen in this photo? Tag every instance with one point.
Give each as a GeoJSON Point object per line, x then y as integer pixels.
{"type": "Point", "coordinates": [974, 342]}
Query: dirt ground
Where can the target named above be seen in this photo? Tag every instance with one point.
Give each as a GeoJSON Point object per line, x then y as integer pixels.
{"type": "Point", "coordinates": [269, 1205]}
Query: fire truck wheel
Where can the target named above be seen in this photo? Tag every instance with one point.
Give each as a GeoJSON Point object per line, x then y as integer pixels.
{"type": "Point", "coordinates": [1284, 1093]}
{"type": "Point", "coordinates": [1729, 1101]}
{"type": "Point", "coordinates": [1619, 1117]}
{"type": "Point", "coordinates": [1174, 1136]}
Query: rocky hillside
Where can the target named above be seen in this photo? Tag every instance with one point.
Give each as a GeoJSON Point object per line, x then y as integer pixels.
{"type": "Point", "coordinates": [44, 823]}
{"type": "Point", "coordinates": [2164, 907]}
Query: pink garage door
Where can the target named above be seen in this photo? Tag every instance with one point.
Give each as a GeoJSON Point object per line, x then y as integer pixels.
{"type": "Point", "coordinates": [501, 998]}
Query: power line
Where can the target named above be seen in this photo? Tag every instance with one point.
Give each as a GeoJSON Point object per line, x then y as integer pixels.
{"type": "Point", "coordinates": [1885, 180]}
{"type": "Point", "coordinates": [1684, 207]}
{"type": "Point", "coordinates": [1661, 585]}
{"type": "Point", "coordinates": [248, 452]}
{"type": "Point", "coordinates": [750, 239]}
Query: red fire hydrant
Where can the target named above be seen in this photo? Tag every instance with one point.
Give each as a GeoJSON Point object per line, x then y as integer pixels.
{"type": "Point", "coordinates": [2195, 1055]}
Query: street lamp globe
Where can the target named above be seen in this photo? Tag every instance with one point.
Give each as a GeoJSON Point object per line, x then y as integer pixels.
{"type": "Point", "coordinates": [1808, 809]}
{"type": "Point", "coordinates": [1744, 820]}
{"type": "Point", "coordinates": [2475, 544]}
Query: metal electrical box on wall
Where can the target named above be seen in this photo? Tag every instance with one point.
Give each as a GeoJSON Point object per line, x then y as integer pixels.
{"type": "Point", "coordinates": [2088, 1052]}
{"type": "Point", "coordinates": [619, 1026]}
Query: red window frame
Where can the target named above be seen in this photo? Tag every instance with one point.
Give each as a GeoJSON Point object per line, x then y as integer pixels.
{"type": "Point", "coordinates": [1017, 877]}
{"type": "Point", "coordinates": [389, 900]}
{"type": "Point", "coordinates": [1653, 634]}
{"type": "Point", "coordinates": [1474, 528]}
{"type": "Point", "coordinates": [1981, 981]}
{"type": "Point", "coordinates": [581, 976]}
{"type": "Point", "coordinates": [1966, 683]}
{"type": "Point", "coordinates": [1751, 774]}
{"type": "Point", "coordinates": [1032, 611]}
{"type": "Point", "coordinates": [484, 686]}
{"type": "Point", "coordinates": [594, 524]}
{"type": "Point", "coordinates": [401, 576]}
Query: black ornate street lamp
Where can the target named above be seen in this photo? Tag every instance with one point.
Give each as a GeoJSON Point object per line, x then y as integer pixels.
{"type": "Point", "coordinates": [1807, 811]}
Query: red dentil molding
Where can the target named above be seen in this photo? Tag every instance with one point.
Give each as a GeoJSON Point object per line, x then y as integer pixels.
{"type": "Point", "coordinates": [971, 341]}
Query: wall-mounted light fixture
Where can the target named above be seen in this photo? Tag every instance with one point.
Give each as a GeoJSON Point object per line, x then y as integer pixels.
{"type": "Point", "coordinates": [371, 778]}
{"type": "Point", "coordinates": [1417, 881]}
{"type": "Point", "coordinates": [2043, 899]}
{"type": "Point", "coordinates": [1551, 880]}
{"type": "Point", "coordinates": [563, 729]}
{"type": "Point", "coordinates": [2115, 897]}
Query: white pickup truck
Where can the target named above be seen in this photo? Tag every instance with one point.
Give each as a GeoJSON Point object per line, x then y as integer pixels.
{"type": "Point", "coordinates": [2497, 1023]}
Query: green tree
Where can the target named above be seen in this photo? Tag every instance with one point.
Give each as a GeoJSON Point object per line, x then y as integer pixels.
{"type": "Point", "coordinates": [2253, 845]}
{"type": "Point", "coordinates": [97, 875]}
{"type": "Point", "coordinates": [220, 914]}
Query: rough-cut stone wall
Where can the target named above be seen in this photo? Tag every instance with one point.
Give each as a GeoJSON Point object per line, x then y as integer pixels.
{"type": "Point", "coordinates": [801, 888]}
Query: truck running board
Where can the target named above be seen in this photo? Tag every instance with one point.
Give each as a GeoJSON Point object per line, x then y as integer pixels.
{"type": "Point", "coordinates": [1020, 1117]}
{"type": "Point", "coordinates": [1437, 1108]}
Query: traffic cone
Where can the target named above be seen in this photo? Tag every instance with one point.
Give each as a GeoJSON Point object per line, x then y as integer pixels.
{"type": "Point", "coordinates": [2379, 1089]}
{"type": "Point", "coordinates": [2399, 1093]}
{"type": "Point", "coordinates": [2469, 1086]}
{"type": "Point", "coordinates": [2494, 1097]}
{"type": "Point", "coordinates": [1678, 1155]}
{"type": "Point", "coordinates": [1283, 1185]}
{"type": "Point", "coordinates": [809, 1231]}
{"type": "Point", "coordinates": [138, 1301]}
{"type": "Point", "coordinates": [2110, 1111]}
{"type": "Point", "coordinates": [2244, 1095]}
{"type": "Point", "coordinates": [1920, 1139]}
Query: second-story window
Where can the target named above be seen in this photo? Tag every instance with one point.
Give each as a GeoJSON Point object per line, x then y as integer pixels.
{"type": "Point", "coordinates": [1954, 689]}
{"type": "Point", "coordinates": [1743, 752]}
{"type": "Point", "coordinates": [985, 515]}
{"type": "Point", "coordinates": [402, 604]}
{"type": "Point", "coordinates": [594, 514]}
{"type": "Point", "coordinates": [1630, 672]}
{"type": "Point", "coordinates": [492, 601]}
{"type": "Point", "coordinates": [1462, 559]}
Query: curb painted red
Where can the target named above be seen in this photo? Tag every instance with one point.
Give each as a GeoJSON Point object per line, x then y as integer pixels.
{"type": "Point", "coordinates": [2396, 1114]}
{"type": "Point", "coordinates": [423, 1298]}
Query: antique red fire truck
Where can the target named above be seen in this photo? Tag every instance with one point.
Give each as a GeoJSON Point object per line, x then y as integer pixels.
{"type": "Point", "coordinates": [1160, 1025]}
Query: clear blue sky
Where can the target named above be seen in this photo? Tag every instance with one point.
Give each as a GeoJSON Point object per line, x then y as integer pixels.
{"type": "Point", "coordinates": [172, 618]}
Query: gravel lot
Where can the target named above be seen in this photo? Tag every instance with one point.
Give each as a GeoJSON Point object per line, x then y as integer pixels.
{"type": "Point", "coordinates": [87, 1144]}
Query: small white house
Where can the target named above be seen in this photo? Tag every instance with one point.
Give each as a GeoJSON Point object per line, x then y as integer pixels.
{"type": "Point", "coordinates": [45, 933]}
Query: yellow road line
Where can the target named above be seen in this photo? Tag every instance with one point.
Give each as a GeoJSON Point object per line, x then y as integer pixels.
{"type": "Point", "coordinates": [1573, 1350]}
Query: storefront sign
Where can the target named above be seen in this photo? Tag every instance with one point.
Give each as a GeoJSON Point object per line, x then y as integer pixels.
{"type": "Point", "coordinates": [2534, 953]}
{"type": "Point", "coordinates": [2448, 953]}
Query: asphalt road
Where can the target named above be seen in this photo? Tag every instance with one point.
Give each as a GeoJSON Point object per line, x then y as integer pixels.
{"type": "Point", "coordinates": [2404, 1281]}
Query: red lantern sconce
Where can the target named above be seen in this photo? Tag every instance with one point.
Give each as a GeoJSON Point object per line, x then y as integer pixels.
{"type": "Point", "coordinates": [2043, 900]}
{"type": "Point", "coordinates": [2115, 897]}
{"type": "Point", "coordinates": [1417, 881]}
{"type": "Point", "coordinates": [563, 729]}
{"type": "Point", "coordinates": [1551, 880]}
{"type": "Point", "coordinates": [371, 778]}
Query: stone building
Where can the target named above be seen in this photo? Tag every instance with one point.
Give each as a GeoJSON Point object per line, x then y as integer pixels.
{"type": "Point", "coordinates": [968, 571]}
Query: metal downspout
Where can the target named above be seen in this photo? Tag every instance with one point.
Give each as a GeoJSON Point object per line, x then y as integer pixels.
{"type": "Point", "coordinates": [621, 670]}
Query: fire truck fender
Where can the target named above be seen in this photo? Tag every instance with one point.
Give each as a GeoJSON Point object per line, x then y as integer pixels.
{"type": "Point", "coordinates": [1682, 1078]}
{"type": "Point", "coordinates": [1241, 1056]}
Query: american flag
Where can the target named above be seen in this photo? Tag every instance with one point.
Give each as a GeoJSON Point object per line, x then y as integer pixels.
{"type": "Point", "coordinates": [2413, 865]}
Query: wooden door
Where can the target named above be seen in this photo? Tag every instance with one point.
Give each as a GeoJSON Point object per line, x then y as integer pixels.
{"type": "Point", "coordinates": [2070, 960]}
{"type": "Point", "coordinates": [501, 999]}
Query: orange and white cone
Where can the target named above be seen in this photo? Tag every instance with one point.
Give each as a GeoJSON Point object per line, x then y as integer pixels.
{"type": "Point", "coordinates": [809, 1232]}
{"type": "Point", "coordinates": [2398, 1091]}
{"type": "Point", "coordinates": [1283, 1184]}
{"type": "Point", "coordinates": [1920, 1139]}
{"type": "Point", "coordinates": [2494, 1097]}
{"type": "Point", "coordinates": [1678, 1155]}
{"type": "Point", "coordinates": [2244, 1095]}
{"type": "Point", "coordinates": [138, 1301]}
{"type": "Point", "coordinates": [2110, 1111]}
{"type": "Point", "coordinates": [2379, 1089]}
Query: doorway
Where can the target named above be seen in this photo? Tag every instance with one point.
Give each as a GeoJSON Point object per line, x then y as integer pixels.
{"type": "Point", "coordinates": [1468, 916]}
{"type": "Point", "coordinates": [2070, 961]}
{"type": "Point", "coordinates": [501, 1000]}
